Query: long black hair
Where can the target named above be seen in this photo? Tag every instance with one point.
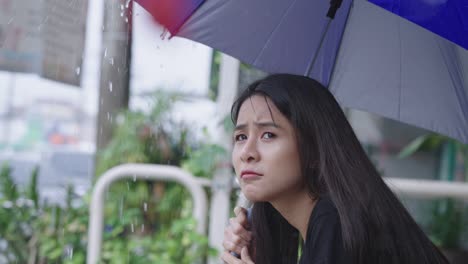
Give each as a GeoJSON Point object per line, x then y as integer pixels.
{"type": "Point", "coordinates": [376, 228]}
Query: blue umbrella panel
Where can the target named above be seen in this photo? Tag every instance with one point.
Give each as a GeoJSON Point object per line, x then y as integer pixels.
{"type": "Point", "coordinates": [447, 18]}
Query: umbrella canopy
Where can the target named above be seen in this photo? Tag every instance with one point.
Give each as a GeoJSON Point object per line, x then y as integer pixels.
{"type": "Point", "coordinates": [369, 58]}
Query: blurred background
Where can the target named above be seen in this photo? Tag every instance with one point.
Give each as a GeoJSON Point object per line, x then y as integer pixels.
{"type": "Point", "coordinates": [88, 85]}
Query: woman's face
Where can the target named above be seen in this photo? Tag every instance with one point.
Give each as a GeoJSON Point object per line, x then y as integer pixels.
{"type": "Point", "coordinates": [265, 154]}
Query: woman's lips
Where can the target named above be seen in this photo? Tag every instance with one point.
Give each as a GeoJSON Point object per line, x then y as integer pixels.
{"type": "Point", "coordinates": [248, 175]}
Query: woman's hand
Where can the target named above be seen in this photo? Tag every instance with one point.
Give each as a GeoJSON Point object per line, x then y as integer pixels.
{"type": "Point", "coordinates": [230, 259]}
{"type": "Point", "coordinates": [237, 234]}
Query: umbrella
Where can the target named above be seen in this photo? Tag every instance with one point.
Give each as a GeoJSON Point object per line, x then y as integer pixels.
{"type": "Point", "coordinates": [402, 67]}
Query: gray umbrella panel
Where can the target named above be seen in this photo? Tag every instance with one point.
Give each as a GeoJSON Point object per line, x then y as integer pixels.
{"type": "Point", "coordinates": [384, 64]}
{"type": "Point", "coordinates": [269, 33]}
{"type": "Point", "coordinates": [392, 67]}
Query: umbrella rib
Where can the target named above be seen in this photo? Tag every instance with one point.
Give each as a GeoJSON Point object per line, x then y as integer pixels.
{"type": "Point", "coordinates": [335, 61]}
{"type": "Point", "coordinates": [273, 31]}
{"type": "Point", "coordinates": [455, 77]}
{"type": "Point", "coordinates": [317, 51]}
{"type": "Point", "coordinates": [399, 75]}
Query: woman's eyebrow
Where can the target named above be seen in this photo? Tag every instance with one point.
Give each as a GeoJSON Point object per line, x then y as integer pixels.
{"type": "Point", "coordinates": [259, 124]}
{"type": "Point", "coordinates": [240, 127]}
{"type": "Point", "coordinates": [267, 124]}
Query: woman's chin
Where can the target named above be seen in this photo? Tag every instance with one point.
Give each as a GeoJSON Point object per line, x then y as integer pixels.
{"type": "Point", "coordinates": [253, 196]}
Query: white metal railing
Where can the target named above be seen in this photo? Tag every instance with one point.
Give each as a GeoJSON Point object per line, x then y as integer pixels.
{"type": "Point", "coordinates": [146, 172]}
{"type": "Point", "coordinates": [425, 189]}
{"type": "Point", "coordinates": [407, 187]}
{"type": "Point", "coordinates": [428, 188]}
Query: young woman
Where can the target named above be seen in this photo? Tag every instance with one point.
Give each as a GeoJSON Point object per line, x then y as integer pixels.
{"type": "Point", "coordinates": [313, 187]}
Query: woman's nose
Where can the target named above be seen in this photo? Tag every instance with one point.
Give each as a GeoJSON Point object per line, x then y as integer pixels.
{"type": "Point", "coordinates": [249, 152]}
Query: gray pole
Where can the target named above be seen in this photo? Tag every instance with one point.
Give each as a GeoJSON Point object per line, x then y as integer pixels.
{"type": "Point", "coordinates": [114, 88]}
{"type": "Point", "coordinates": [9, 111]}
{"type": "Point", "coordinates": [222, 178]}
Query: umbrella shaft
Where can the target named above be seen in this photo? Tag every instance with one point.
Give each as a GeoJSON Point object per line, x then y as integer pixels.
{"type": "Point", "coordinates": [311, 65]}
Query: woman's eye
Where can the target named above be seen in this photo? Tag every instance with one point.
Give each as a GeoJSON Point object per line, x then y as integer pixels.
{"type": "Point", "coordinates": [240, 137]}
{"type": "Point", "coordinates": [268, 135]}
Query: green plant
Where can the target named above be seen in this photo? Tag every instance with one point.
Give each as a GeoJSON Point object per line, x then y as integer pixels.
{"type": "Point", "coordinates": [61, 231]}
{"type": "Point", "coordinates": [447, 223]}
{"type": "Point", "coordinates": [36, 232]}
{"type": "Point", "coordinates": [58, 234]}
{"type": "Point", "coordinates": [146, 137]}
{"type": "Point", "coordinates": [202, 162]}
{"type": "Point", "coordinates": [449, 217]}
{"type": "Point", "coordinates": [18, 211]}
{"type": "Point", "coordinates": [142, 137]}
{"type": "Point", "coordinates": [145, 222]}
{"type": "Point", "coordinates": [180, 243]}
{"type": "Point", "coordinates": [145, 211]}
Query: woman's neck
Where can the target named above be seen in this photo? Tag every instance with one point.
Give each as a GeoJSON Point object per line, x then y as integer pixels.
{"type": "Point", "coordinates": [296, 209]}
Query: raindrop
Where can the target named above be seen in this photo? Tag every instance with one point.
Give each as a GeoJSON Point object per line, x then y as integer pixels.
{"type": "Point", "coordinates": [121, 14]}
{"type": "Point", "coordinates": [110, 86]}
{"type": "Point", "coordinates": [121, 7]}
{"type": "Point", "coordinates": [78, 70]}
{"type": "Point", "coordinates": [126, 20]}
{"type": "Point", "coordinates": [128, 186]}
{"type": "Point", "coordinates": [145, 207]}
{"type": "Point", "coordinates": [70, 252]}
{"type": "Point", "coordinates": [142, 228]}
{"type": "Point", "coordinates": [132, 227]}
{"type": "Point", "coordinates": [127, 4]}
{"type": "Point", "coordinates": [134, 177]}
{"type": "Point", "coordinates": [121, 208]}
{"type": "Point", "coordinates": [111, 61]}
{"type": "Point", "coordinates": [9, 21]}
{"type": "Point", "coordinates": [105, 53]}
{"type": "Point", "coordinates": [108, 116]}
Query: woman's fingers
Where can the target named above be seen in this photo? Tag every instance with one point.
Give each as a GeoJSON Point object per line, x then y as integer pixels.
{"type": "Point", "coordinates": [245, 256]}
{"type": "Point", "coordinates": [240, 230]}
{"type": "Point", "coordinates": [234, 242]}
{"type": "Point", "coordinates": [230, 259]}
{"type": "Point", "coordinates": [236, 235]}
{"type": "Point", "coordinates": [241, 217]}
{"type": "Point", "coordinates": [231, 247]}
